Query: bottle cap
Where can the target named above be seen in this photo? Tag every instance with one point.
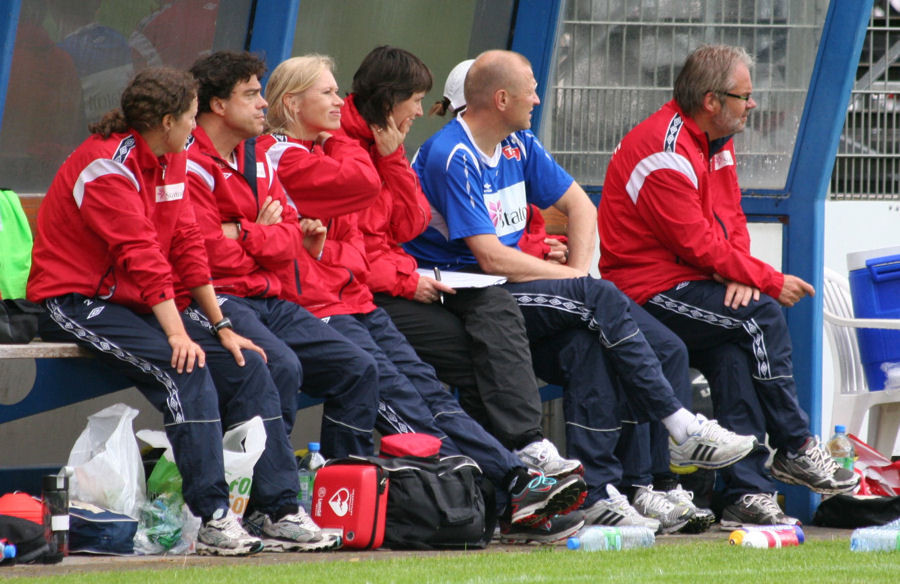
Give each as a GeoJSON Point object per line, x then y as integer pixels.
{"type": "Point", "coordinates": [737, 537]}
{"type": "Point", "coordinates": [9, 551]}
{"type": "Point", "coordinates": [55, 483]}
{"type": "Point", "coordinates": [573, 543]}
{"type": "Point", "coordinates": [314, 447]}
{"type": "Point", "coordinates": [840, 429]}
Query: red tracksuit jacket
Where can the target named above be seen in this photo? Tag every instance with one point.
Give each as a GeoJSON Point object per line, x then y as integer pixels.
{"type": "Point", "coordinates": [117, 224]}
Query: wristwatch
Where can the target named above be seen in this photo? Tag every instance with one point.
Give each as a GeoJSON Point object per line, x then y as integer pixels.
{"type": "Point", "coordinates": [222, 324]}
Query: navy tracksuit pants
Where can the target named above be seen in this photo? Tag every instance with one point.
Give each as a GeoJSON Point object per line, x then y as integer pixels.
{"type": "Point", "coordinates": [745, 354]}
{"type": "Point", "coordinates": [413, 400]}
{"type": "Point", "coordinates": [307, 355]}
{"type": "Point", "coordinates": [584, 332]}
{"type": "Point", "coordinates": [196, 406]}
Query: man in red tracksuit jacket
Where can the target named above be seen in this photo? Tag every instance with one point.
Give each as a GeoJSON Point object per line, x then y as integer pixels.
{"type": "Point", "coordinates": [674, 238]}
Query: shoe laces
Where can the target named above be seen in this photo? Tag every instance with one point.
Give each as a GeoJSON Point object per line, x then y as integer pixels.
{"type": "Point", "coordinates": [712, 431]}
{"type": "Point", "coordinates": [655, 501]}
{"type": "Point", "coordinates": [820, 458]}
{"type": "Point", "coordinates": [681, 495]}
{"type": "Point", "coordinates": [764, 501]}
{"type": "Point", "coordinates": [302, 519]}
{"type": "Point", "coordinates": [619, 502]}
{"type": "Point", "coordinates": [230, 526]}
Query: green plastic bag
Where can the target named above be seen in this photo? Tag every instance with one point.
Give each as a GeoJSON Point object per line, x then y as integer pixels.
{"type": "Point", "coordinates": [15, 246]}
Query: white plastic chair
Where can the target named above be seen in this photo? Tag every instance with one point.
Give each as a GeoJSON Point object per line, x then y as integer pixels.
{"type": "Point", "coordinates": [852, 398]}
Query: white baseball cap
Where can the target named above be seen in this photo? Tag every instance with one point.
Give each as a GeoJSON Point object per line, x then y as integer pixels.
{"type": "Point", "coordinates": [453, 88]}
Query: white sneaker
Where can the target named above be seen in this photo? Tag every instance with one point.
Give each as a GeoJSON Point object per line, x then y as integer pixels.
{"type": "Point", "coordinates": [701, 517]}
{"type": "Point", "coordinates": [295, 532]}
{"type": "Point", "coordinates": [711, 447]}
{"type": "Point", "coordinates": [224, 536]}
{"type": "Point", "coordinates": [543, 455]}
{"type": "Point", "coordinates": [655, 505]}
{"type": "Point", "coordinates": [616, 510]}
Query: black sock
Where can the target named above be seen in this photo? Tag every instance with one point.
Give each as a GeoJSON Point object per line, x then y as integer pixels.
{"type": "Point", "coordinates": [517, 478]}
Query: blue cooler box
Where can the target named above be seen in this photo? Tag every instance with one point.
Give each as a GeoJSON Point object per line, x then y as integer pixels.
{"type": "Point", "coordinates": [875, 287]}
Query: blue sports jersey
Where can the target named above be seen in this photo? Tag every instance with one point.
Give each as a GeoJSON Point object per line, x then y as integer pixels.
{"type": "Point", "coordinates": [473, 194]}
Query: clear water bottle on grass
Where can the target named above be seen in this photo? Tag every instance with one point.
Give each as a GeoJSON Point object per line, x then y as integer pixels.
{"type": "Point", "coordinates": [875, 539]}
{"type": "Point", "coordinates": [841, 448]}
{"type": "Point", "coordinates": [307, 468]}
{"type": "Point", "coordinates": [595, 538]}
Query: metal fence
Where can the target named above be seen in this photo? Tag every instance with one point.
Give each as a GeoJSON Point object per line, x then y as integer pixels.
{"type": "Point", "coordinates": [867, 165]}
{"type": "Point", "coordinates": [616, 61]}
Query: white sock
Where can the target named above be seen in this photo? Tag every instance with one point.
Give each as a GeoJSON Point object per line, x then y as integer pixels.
{"type": "Point", "coordinates": [681, 424]}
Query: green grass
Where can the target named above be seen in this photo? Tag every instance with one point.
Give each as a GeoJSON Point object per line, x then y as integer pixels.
{"type": "Point", "coordinates": [818, 562]}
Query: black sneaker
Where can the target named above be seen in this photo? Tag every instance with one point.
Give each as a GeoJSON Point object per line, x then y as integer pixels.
{"type": "Point", "coordinates": [544, 497]}
{"type": "Point", "coordinates": [755, 509]}
{"type": "Point", "coordinates": [812, 467]}
{"type": "Point", "coordinates": [550, 530]}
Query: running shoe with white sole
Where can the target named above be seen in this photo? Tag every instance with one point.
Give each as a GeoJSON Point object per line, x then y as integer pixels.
{"type": "Point", "coordinates": [655, 505]}
{"type": "Point", "coordinates": [615, 510]}
{"type": "Point", "coordinates": [543, 455]}
{"type": "Point", "coordinates": [224, 536]}
{"type": "Point", "coordinates": [550, 530]}
{"type": "Point", "coordinates": [544, 497]}
{"type": "Point", "coordinates": [295, 532]}
{"type": "Point", "coordinates": [754, 509]}
{"type": "Point", "coordinates": [711, 447]}
{"type": "Point", "coordinates": [812, 467]}
{"type": "Point", "coordinates": [701, 517]}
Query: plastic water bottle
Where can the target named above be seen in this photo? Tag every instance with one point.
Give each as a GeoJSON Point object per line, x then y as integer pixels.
{"type": "Point", "coordinates": [767, 536]}
{"type": "Point", "coordinates": [308, 466]}
{"type": "Point", "coordinates": [841, 448]}
{"type": "Point", "coordinates": [875, 539]}
{"type": "Point", "coordinates": [607, 538]}
{"type": "Point", "coordinates": [7, 550]}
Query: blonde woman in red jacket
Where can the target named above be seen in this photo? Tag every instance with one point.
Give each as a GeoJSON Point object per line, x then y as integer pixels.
{"type": "Point", "coordinates": [312, 160]}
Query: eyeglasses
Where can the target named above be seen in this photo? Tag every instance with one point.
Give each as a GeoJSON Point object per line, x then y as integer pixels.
{"type": "Point", "coordinates": [736, 96]}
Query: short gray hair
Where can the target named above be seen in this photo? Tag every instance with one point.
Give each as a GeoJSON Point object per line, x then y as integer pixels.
{"type": "Point", "coordinates": [707, 69]}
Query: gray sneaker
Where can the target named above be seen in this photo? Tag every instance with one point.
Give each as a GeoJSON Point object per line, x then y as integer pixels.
{"type": "Point", "coordinates": [755, 509]}
{"type": "Point", "coordinates": [812, 467]}
{"type": "Point", "coordinates": [655, 505]}
{"type": "Point", "coordinates": [543, 455]}
{"type": "Point", "coordinates": [224, 536]}
{"type": "Point", "coordinates": [295, 532]}
{"type": "Point", "coordinates": [712, 447]}
{"type": "Point", "coordinates": [701, 517]}
{"type": "Point", "coordinates": [615, 510]}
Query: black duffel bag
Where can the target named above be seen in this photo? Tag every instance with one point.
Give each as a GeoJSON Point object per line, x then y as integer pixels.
{"type": "Point", "coordinates": [437, 503]}
{"type": "Point", "coordinates": [18, 320]}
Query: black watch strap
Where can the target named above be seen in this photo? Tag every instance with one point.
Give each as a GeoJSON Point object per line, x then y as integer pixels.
{"type": "Point", "coordinates": [222, 324]}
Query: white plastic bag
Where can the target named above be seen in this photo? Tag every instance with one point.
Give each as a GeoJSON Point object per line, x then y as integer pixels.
{"type": "Point", "coordinates": [242, 447]}
{"type": "Point", "coordinates": [108, 471]}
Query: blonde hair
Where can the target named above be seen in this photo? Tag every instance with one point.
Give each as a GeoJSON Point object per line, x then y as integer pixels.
{"type": "Point", "coordinates": [294, 75]}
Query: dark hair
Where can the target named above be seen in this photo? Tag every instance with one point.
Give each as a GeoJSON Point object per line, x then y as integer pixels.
{"type": "Point", "coordinates": [219, 72]}
{"type": "Point", "coordinates": [386, 77]}
{"type": "Point", "coordinates": [151, 95]}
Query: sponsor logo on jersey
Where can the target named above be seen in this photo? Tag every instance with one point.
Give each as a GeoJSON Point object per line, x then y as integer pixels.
{"type": "Point", "coordinates": [510, 152]}
{"type": "Point", "coordinates": [723, 159]}
{"type": "Point", "coordinates": [165, 193]}
{"type": "Point", "coordinates": [507, 209]}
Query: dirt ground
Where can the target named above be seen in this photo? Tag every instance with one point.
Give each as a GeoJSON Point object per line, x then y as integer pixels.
{"type": "Point", "coordinates": [82, 563]}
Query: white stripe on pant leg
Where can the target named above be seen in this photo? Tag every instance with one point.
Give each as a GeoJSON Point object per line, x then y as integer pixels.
{"type": "Point", "coordinates": [567, 305]}
{"type": "Point", "coordinates": [173, 401]}
{"type": "Point", "coordinates": [753, 330]}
